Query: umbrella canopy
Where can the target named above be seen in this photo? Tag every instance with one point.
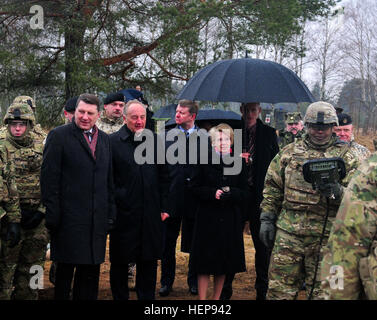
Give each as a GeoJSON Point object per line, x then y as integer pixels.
{"type": "Point", "coordinates": [130, 94]}
{"type": "Point", "coordinates": [246, 80]}
{"type": "Point", "coordinates": [165, 113]}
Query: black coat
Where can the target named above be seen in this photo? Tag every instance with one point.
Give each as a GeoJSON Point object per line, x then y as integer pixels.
{"type": "Point", "coordinates": [181, 203]}
{"type": "Point", "coordinates": [138, 197]}
{"type": "Point", "coordinates": [217, 245]}
{"type": "Point", "coordinates": [78, 195]}
{"type": "Point", "coordinates": [266, 149]}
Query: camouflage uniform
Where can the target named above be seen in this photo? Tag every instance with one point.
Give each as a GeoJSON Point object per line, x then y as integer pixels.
{"type": "Point", "coordinates": [26, 154]}
{"type": "Point", "coordinates": [361, 151]}
{"type": "Point", "coordinates": [108, 125]}
{"type": "Point", "coordinates": [287, 137]}
{"type": "Point", "coordinates": [352, 243]}
{"type": "Point", "coordinates": [37, 133]}
{"type": "Point", "coordinates": [300, 213]}
{"type": "Point", "coordinates": [9, 201]}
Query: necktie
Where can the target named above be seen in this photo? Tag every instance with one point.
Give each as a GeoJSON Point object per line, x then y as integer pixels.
{"type": "Point", "coordinates": [89, 135]}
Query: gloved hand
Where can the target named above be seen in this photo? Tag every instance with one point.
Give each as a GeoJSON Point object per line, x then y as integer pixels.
{"type": "Point", "coordinates": [226, 196]}
{"type": "Point", "coordinates": [13, 234]}
{"type": "Point", "coordinates": [331, 190]}
{"type": "Point", "coordinates": [31, 220]}
{"type": "Point", "coordinates": [267, 229]}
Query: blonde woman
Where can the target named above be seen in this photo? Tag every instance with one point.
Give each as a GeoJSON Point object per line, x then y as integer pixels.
{"type": "Point", "coordinates": [217, 247]}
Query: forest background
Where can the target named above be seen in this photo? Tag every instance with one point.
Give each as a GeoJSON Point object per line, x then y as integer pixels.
{"type": "Point", "coordinates": [54, 50]}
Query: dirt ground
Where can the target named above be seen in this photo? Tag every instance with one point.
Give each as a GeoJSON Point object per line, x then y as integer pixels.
{"type": "Point", "coordinates": [243, 284]}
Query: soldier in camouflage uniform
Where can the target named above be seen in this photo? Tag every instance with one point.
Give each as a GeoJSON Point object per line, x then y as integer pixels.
{"type": "Point", "coordinates": [111, 119]}
{"type": "Point", "coordinates": [295, 210]}
{"type": "Point", "coordinates": [344, 132]}
{"type": "Point", "coordinates": [352, 247]}
{"type": "Point", "coordinates": [293, 129]}
{"type": "Point", "coordinates": [37, 132]}
{"type": "Point", "coordinates": [26, 154]}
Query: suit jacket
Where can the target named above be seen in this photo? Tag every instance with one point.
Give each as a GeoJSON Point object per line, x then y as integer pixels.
{"type": "Point", "coordinates": [77, 191]}
{"type": "Point", "coordinates": [182, 204]}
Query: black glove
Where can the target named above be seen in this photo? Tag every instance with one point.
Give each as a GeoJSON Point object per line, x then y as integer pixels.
{"type": "Point", "coordinates": [331, 190]}
{"type": "Point", "coordinates": [226, 196]}
{"type": "Point", "coordinates": [31, 219]}
{"type": "Point", "coordinates": [13, 234]}
{"type": "Point", "coordinates": [267, 229]}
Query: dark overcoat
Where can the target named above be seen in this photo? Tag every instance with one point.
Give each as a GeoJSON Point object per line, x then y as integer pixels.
{"type": "Point", "coordinates": [77, 191]}
{"type": "Point", "coordinates": [266, 149]}
{"type": "Point", "coordinates": [138, 198]}
{"type": "Point", "coordinates": [182, 204]}
{"type": "Point", "coordinates": [217, 245]}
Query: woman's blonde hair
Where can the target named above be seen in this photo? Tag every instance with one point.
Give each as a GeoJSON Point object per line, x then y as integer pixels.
{"type": "Point", "coordinates": [222, 127]}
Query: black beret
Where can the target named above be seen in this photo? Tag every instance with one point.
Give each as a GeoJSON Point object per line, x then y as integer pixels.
{"type": "Point", "coordinates": [70, 105]}
{"type": "Point", "coordinates": [115, 96]}
{"type": "Point", "coordinates": [344, 119]}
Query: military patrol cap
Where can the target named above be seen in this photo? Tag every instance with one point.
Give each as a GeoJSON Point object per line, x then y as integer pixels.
{"type": "Point", "coordinates": [293, 117]}
{"type": "Point", "coordinates": [344, 119]}
{"type": "Point", "coordinates": [115, 96]}
{"type": "Point", "coordinates": [70, 105]}
{"type": "Point", "coordinates": [19, 111]}
{"type": "Point", "coordinates": [321, 112]}
{"type": "Point", "coordinates": [25, 99]}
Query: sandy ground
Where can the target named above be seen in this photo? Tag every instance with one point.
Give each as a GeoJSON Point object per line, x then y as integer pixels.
{"type": "Point", "coordinates": [243, 284]}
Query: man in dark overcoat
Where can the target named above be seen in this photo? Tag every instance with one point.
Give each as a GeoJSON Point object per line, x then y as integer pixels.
{"type": "Point", "coordinates": [182, 205]}
{"type": "Point", "coordinates": [260, 145]}
{"type": "Point", "coordinates": [139, 197]}
{"type": "Point", "coordinates": [76, 185]}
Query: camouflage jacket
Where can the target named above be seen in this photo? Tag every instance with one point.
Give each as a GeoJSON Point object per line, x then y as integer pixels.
{"type": "Point", "coordinates": [360, 150]}
{"type": "Point", "coordinates": [27, 159]}
{"type": "Point", "coordinates": [109, 125]}
{"type": "Point", "coordinates": [287, 137]}
{"type": "Point", "coordinates": [9, 201]}
{"type": "Point", "coordinates": [300, 209]}
{"type": "Point", "coordinates": [352, 234]}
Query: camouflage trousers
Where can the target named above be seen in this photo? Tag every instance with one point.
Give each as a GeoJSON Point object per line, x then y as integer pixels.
{"type": "Point", "coordinates": [293, 262]}
{"type": "Point", "coordinates": [16, 263]}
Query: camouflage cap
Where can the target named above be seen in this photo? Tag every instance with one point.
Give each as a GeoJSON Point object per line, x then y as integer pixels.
{"type": "Point", "coordinates": [322, 113]}
{"type": "Point", "coordinates": [293, 117]}
{"type": "Point", "coordinates": [25, 99]}
{"type": "Point", "coordinates": [19, 111]}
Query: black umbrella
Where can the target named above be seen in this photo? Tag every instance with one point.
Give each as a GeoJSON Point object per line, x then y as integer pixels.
{"type": "Point", "coordinates": [246, 80]}
{"type": "Point", "coordinates": [165, 113]}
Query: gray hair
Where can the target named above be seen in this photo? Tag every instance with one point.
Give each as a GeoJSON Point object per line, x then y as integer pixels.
{"type": "Point", "coordinates": [133, 102]}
